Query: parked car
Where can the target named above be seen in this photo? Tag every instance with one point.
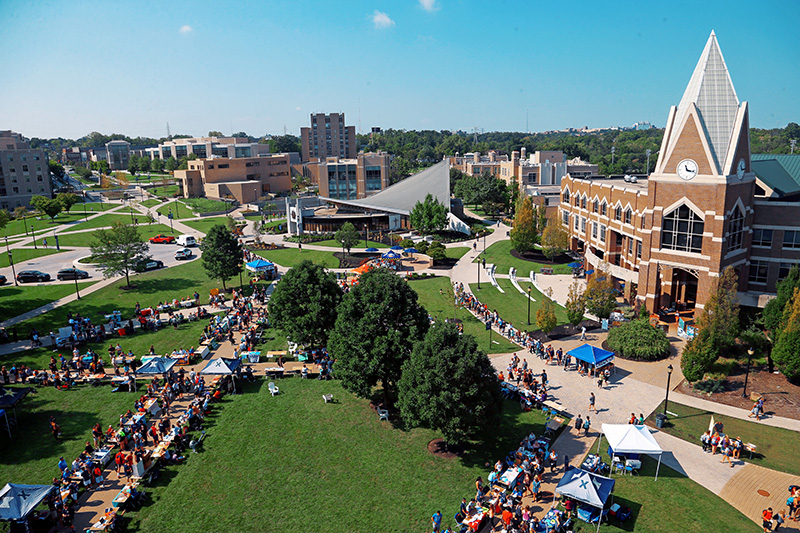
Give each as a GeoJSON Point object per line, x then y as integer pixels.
{"type": "Point", "coordinates": [71, 273]}
{"type": "Point", "coordinates": [183, 253]}
{"type": "Point", "coordinates": [2, 279]}
{"type": "Point", "coordinates": [26, 276]}
{"type": "Point", "coordinates": [186, 240]}
{"type": "Point", "coordinates": [162, 239]}
{"type": "Point", "coordinates": [149, 264]}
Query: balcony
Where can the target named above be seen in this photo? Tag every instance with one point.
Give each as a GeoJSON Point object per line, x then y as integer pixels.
{"type": "Point", "coordinates": [616, 271]}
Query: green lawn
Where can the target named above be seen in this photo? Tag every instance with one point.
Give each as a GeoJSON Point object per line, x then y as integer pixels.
{"type": "Point", "coordinates": [778, 448]}
{"type": "Point", "coordinates": [85, 238]}
{"type": "Point", "coordinates": [151, 202]}
{"type": "Point", "coordinates": [441, 306]}
{"type": "Point", "coordinates": [315, 466]}
{"type": "Point", "coordinates": [456, 252]}
{"type": "Point", "coordinates": [204, 225]}
{"type": "Point", "coordinates": [22, 255]}
{"type": "Point", "coordinates": [16, 300]}
{"type": "Point", "coordinates": [290, 257]}
{"type": "Point", "coordinates": [104, 221]}
{"type": "Point", "coordinates": [511, 305]}
{"type": "Point", "coordinates": [179, 210]}
{"type": "Point", "coordinates": [673, 503]}
{"type": "Point", "coordinates": [165, 190]}
{"type": "Point", "coordinates": [41, 224]}
{"type": "Point", "coordinates": [357, 248]}
{"type": "Point", "coordinates": [499, 254]}
{"type": "Point", "coordinates": [93, 207]}
{"type": "Point", "coordinates": [206, 205]}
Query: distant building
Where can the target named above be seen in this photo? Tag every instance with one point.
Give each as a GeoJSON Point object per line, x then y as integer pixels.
{"type": "Point", "coordinates": [118, 154]}
{"type": "Point", "coordinates": [328, 136]}
{"type": "Point", "coordinates": [205, 147]}
{"type": "Point", "coordinates": [75, 155]}
{"type": "Point", "coordinates": [351, 179]}
{"type": "Point", "coordinates": [24, 172]}
{"type": "Point", "coordinates": [643, 125]}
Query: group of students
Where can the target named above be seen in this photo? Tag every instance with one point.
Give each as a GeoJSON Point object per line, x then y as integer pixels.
{"type": "Point", "coordinates": [716, 441]}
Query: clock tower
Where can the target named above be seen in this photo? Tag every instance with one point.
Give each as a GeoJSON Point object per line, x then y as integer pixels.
{"type": "Point", "coordinates": [700, 197]}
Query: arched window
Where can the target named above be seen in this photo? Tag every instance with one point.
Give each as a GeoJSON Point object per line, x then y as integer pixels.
{"type": "Point", "coordinates": [618, 213]}
{"type": "Point", "coordinates": [583, 203]}
{"type": "Point", "coordinates": [603, 208]}
{"type": "Point", "coordinates": [594, 206]}
{"type": "Point", "coordinates": [735, 229]}
{"type": "Point", "coordinates": [682, 230]}
{"type": "Point", "coordinates": [566, 196]}
{"type": "Point", "coordinates": [628, 216]}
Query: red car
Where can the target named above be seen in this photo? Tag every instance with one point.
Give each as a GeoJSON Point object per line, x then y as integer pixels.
{"type": "Point", "coordinates": [162, 239]}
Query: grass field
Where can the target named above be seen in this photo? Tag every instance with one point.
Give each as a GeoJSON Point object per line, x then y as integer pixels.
{"type": "Point", "coordinates": [513, 306]}
{"type": "Point", "coordinates": [40, 224]}
{"type": "Point", "coordinates": [290, 257]}
{"type": "Point", "coordinates": [778, 448]}
{"type": "Point", "coordinates": [499, 254]}
{"type": "Point", "coordinates": [15, 301]}
{"type": "Point", "coordinates": [440, 305]}
{"type": "Point", "coordinates": [150, 202]}
{"type": "Point", "coordinates": [86, 238]}
{"type": "Point", "coordinates": [456, 252]}
{"type": "Point", "coordinates": [165, 190]}
{"type": "Point", "coordinates": [317, 467]}
{"type": "Point", "coordinates": [179, 210]}
{"type": "Point", "coordinates": [204, 225]}
{"type": "Point", "coordinates": [206, 205]}
{"type": "Point", "coordinates": [21, 255]}
{"type": "Point", "coordinates": [358, 248]}
{"type": "Point", "coordinates": [103, 221]}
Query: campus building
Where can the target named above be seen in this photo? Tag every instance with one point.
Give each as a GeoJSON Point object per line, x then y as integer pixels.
{"type": "Point", "coordinates": [351, 179]}
{"type": "Point", "coordinates": [24, 171]}
{"type": "Point", "coordinates": [328, 136]}
{"type": "Point", "coordinates": [666, 238]}
{"type": "Point", "coordinates": [118, 154]}
{"type": "Point", "coordinates": [205, 147]}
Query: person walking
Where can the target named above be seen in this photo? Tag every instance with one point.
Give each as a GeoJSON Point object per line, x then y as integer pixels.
{"type": "Point", "coordinates": [766, 515]}
{"type": "Point", "coordinates": [592, 406]}
{"type": "Point", "coordinates": [583, 333]}
{"type": "Point", "coordinates": [578, 424]}
{"type": "Point", "coordinates": [586, 425]}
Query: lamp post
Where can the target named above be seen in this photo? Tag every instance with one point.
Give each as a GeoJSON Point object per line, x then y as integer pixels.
{"type": "Point", "coordinates": [529, 306]}
{"type": "Point", "coordinates": [747, 373]}
{"type": "Point", "coordinates": [33, 233]}
{"type": "Point", "coordinates": [479, 275]}
{"type": "Point", "coordinates": [666, 398]}
{"type": "Point", "coordinates": [169, 216]}
{"type": "Point", "coordinates": [241, 285]}
{"type": "Point", "coordinates": [366, 236]}
{"type": "Point", "coordinates": [11, 262]}
{"type": "Point", "coordinates": [55, 238]}
{"type": "Point", "coordinates": [77, 292]}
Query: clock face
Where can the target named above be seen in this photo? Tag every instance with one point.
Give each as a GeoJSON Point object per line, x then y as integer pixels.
{"type": "Point", "coordinates": [740, 168]}
{"type": "Point", "coordinates": [687, 169]}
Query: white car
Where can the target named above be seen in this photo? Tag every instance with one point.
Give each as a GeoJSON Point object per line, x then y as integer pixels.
{"type": "Point", "coordinates": [183, 253]}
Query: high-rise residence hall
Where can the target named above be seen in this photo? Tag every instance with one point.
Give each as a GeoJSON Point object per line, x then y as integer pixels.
{"type": "Point", "coordinates": [328, 137]}
{"type": "Point", "coordinates": [708, 205]}
{"type": "Point", "coordinates": [24, 172]}
{"type": "Point", "coordinates": [119, 153]}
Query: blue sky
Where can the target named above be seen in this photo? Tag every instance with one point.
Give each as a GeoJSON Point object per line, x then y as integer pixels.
{"type": "Point", "coordinates": [261, 66]}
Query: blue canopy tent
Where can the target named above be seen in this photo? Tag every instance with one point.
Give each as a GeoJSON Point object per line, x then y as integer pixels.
{"type": "Point", "coordinates": [593, 490]}
{"type": "Point", "coordinates": [396, 247]}
{"type": "Point", "coordinates": [157, 365]}
{"type": "Point", "coordinates": [8, 424]}
{"type": "Point", "coordinates": [575, 264]}
{"type": "Point", "coordinates": [18, 501]}
{"type": "Point", "coordinates": [391, 255]}
{"type": "Point", "coordinates": [593, 355]}
{"type": "Point", "coordinates": [372, 249]}
{"type": "Point", "coordinates": [260, 265]}
{"type": "Point", "coordinates": [223, 366]}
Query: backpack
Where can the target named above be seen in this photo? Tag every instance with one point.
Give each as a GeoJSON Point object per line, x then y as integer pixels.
{"type": "Point", "coordinates": [586, 424]}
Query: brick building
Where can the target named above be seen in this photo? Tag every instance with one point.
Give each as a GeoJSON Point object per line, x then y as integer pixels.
{"type": "Point", "coordinates": [24, 172]}
{"type": "Point", "coordinates": [328, 136]}
{"type": "Point", "coordinates": [667, 238]}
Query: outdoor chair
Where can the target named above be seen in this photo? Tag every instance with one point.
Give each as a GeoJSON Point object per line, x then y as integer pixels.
{"type": "Point", "coordinates": [327, 398]}
{"type": "Point", "coordinates": [458, 517]}
{"type": "Point", "coordinates": [383, 414]}
{"type": "Point", "coordinates": [193, 444]}
{"type": "Point", "coordinates": [273, 389]}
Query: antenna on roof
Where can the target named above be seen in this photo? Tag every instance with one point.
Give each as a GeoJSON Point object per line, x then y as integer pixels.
{"type": "Point", "coordinates": [168, 130]}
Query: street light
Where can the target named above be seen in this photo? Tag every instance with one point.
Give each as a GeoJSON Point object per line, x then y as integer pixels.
{"type": "Point", "coordinates": [77, 292]}
{"type": "Point", "coordinates": [11, 262]}
{"type": "Point", "coordinates": [366, 236]}
{"type": "Point", "coordinates": [666, 398]}
{"type": "Point", "coordinates": [479, 275]}
{"type": "Point", "coordinates": [33, 233]}
{"type": "Point", "coordinates": [747, 373]}
{"type": "Point", "coordinates": [55, 238]}
{"type": "Point", "coordinates": [529, 306]}
{"type": "Point", "coordinates": [241, 285]}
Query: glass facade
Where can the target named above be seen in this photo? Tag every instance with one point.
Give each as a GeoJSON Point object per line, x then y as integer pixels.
{"type": "Point", "coordinates": [342, 182]}
{"type": "Point", "coordinates": [682, 230]}
{"type": "Point", "coordinates": [372, 175]}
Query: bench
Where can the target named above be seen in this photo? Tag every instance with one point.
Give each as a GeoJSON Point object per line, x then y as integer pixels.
{"type": "Point", "coordinates": [327, 398]}
{"type": "Point", "coordinates": [545, 270]}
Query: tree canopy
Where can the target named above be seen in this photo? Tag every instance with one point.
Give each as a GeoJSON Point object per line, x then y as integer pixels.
{"type": "Point", "coordinates": [575, 304]}
{"type": "Point", "coordinates": [449, 385]}
{"type": "Point", "coordinates": [546, 314]}
{"type": "Point", "coordinates": [555, 238]}
{"type": "Point", "coordinates": [599, 296]}
{"type": "Point", "coordinates": [67, 200]}
{"type": "Point", "coordinates": [48, 206]}
{"type": "Point", "coordinates": [786, 352]}
{"type": "Point", "coordinates": [222, 254]}
{"type": "Point", "coordinates": [525, 231]}
{"type": "Point", "coordinates": [774, 319]}
{"type": "Point", "coordinates": [304, 304]}
{"type": "Point", "coordinates": [379, 321]}
{"type": "Point", "coordinates": [119, 249]}
{"type": "Point", "coordinates": [429, 215]}
{"type": "Point", "coordinates": [347, 236]}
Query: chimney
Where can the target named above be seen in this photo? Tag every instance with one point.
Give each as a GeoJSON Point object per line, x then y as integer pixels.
{"type": "Point", "coordinates": [515, 155]}
{"type": "Point", "coordinates": [523, 152]}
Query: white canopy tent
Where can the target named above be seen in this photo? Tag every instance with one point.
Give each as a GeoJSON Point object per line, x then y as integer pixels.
{"type": "Point", "coordinates": [630, 438]}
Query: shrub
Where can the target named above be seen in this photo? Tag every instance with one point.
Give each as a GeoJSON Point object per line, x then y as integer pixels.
{"type": "Point", "coordinates": [710, 386]}
{"type": "Point", "coordinates": [407, 243]}
{"type": "Point", "coordinates": [638, 340]}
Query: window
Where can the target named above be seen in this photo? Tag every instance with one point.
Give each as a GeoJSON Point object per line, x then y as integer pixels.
{"type": "Point", "coordinates": [639, 249]}
{"type": "Point", "coordinates": [618, 213]}
{"type": "Point", "coordinates": [577, 201]}
{"type": "Point", "coordinates": [628, 216]}
{"type": "Point", "coordinates": [583, 203]}
{"type": "Point", "coordinates": [577, 222]}
{"type": "Point", "coordinates": [223, 165]}
{"type": "Point", "coordinates": [762, 237]}
{"type": "Point", "coordinates": [630, 246]}
{"type": "Point", "coordinates": [791, 239]}
{"type": "Point", "coordinates": [595, 206]}
{"type": "Point", "coordinates": [682, 230]}
{"type": "Point", "coordinates": [759, 270]}
{"type": "Point", "coordinates": [603, 231]}
{"type": "Point", "coordinates": [565, 218]}
{"type": "Point", "coordinates": [583, 224]}
{"type": "Point", "coordinates": [735, 229]}
{"type": "Point", "coordinates": [594, 230]}
{"type": "Point", "coordinates": [784, 269]}
{"type": "Point", "coordinates": [603, 208]}
{"type": "Point", "coordinates": [642, 220]}
{"type": "Point", "coordinates": [25, 168]}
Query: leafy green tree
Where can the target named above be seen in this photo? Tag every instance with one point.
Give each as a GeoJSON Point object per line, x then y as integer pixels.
{"type": "Point", "coordinates": [555, 238]}
{"type": "Point", "coordinates": [67, 200]}
{"type": "Point", "coordinates": [787, 347]}
{"type": "Point", "coordinates": [5, 218]}
{"type": "Point", "coordinates": [774, 310]}
{"type": "Point", "coordinates": [546, 314]}
{"type": "Point", "coordinates": [698, 356]}
{"type": "Point", "coordinates": [639, 340]}
{"type": "Point", "coordinates": [144, 164]}
{"type": "Point", "coordinates": [524, 232]}
{"type": "Point", "coordinates": [157, 165]}
{"type": "Point", "coordinates": [45, 205]}
{"type": "Point", "coordinates": [304, 304]}
{"type": "Point", "coordinates": [436, 251]}
{"type": "Point", "coordinates": [133, 165]}
{"type": "Point", "coordinates": [215, 133]}
{"type": "Point", "coordinates": [720, 315]}
{"type": "Point", "coordinates": [466, 187]}
{"type": "Point", "coordinates": [449, 385]}
{"type": "Point", "coordinates": [56, 169]}
{"type": "Point", "coordinates": [284, 143]}
{"type": "Point", "coordinates": [347, 236]}
{"type": "Point", "coordinates": [119, 249]}
{"type": "Point", "coordinates": [406, 243]}
{"type": "Point", "coordinates": [379, 321]}
{"type": "Point", "coordinates": [600, 297]}
{"type": "Point", "coordinates": [429, 215]}
{"type": "Point", "coordinates": [171, 164]}
{"type": "Point", "coordinates": [494, 194]}
{"type": "Point", "coordinates": [222, 254]}
{"type": "Point", "coordinates": [575, 304]}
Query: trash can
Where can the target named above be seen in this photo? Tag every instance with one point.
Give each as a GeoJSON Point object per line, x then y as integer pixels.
{"type": "Point", "coordinates": [660, 419]}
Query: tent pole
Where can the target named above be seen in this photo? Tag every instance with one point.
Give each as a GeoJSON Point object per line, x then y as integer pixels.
{"type": "Point", "coordinates": [8, 425]}
{"type": "Point", "coordinates": [658, 466]}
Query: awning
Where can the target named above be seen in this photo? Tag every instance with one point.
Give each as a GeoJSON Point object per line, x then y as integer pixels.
{"type": "Point", "coordinates": [222, 366]}
{"type": "Point", "coordinates": [630, 438]}
{"type": "Point", "coordinates": [592, 355]}
{"type": "Point", "coordinates": [17, 501]}
{"type": "Point", "coordinates": [391, 255]}
{"type": "Point", "coordinates": [591, 489]}
{"type": "Point", "coordinates": [157, 365]}
{"type": "Point", "coordinates": [260, 265]}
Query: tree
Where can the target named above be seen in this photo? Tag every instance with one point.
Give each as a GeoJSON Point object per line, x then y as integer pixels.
{"type": "Point", "coordinates": [157, 165]}
{"type": "Point", "coordinates": [5, 217]}
{"type": "Point", "coordinates": [56, 169]}
{"type": "Point", "coordinates": [215, 133]}
{"type": "Point", "coordinates": [347, 236]}
{"type": "Point", "coordinates": [122, 179]}
{"type": "Point", "coordinates": [436, 251]}
{"type": "Point", "coordinates": [575, 304]}
{"type": "Point", "coordinates": [304, 304]}
{"type": "Point", "coordinates": [144, 164]}
{"type": "Point", "coordinates": [546, 314]}
{"type": "Point", "coordinates": [698, 356]}
{"type": "Point", "coordinates": [555, 238]}
{"type": "Point", "coordinates": [171, 164]}
{"type": "Point", "coordinates": [787, 347]}
{"type": "Point", "coordinates": [720, 315]}
{"type": "Point", "coordinates": [48, 206]}
{"type": "Point", "coordinates": [429, 215]}
{"type": "Point", "coordinates": [133, 165]}
{"type": "Point", "coordinates": [67, 200]}
{"type": "Point", "coordinates": [449, 385]}
{"type": "Point", "coordinates": [524, 232]}
{"type": "Point", "coordinates": [119, 249]}
{"type": "Point", "coordinates": [599, 295]}
{"type": "Point", "coordinates": [773, 311]}
{"type": "Point", "coordinates": [379, 321]}
{"type": "Point", "coordinates": [284, 143]}
{"type": "Point", "coordinates": [222, 254]}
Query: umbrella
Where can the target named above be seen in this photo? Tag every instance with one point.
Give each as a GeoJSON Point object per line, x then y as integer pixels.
{"type": "Point", "coordinates": [396, 247]}
{"type": "Point", "coordinates": [575, 265]}
{"type": "Point", "coordinates": [589, 272]}
{"type": "Point", "coordinates": [390, 255]}
{"type": "Point", "coordinates": [411, 251]}
{"type": "Point", "coordinates": [372, 249]}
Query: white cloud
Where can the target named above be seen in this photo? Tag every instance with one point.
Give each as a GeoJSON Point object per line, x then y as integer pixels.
{"type": "Point", "coordinates": [381, 20]}
{"type": "Point", "coordinates": [185, 29]}
{"type": "Point", "coordinates": [298, 108]}
{"type": "Point", "coordinates": [428, 5]}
